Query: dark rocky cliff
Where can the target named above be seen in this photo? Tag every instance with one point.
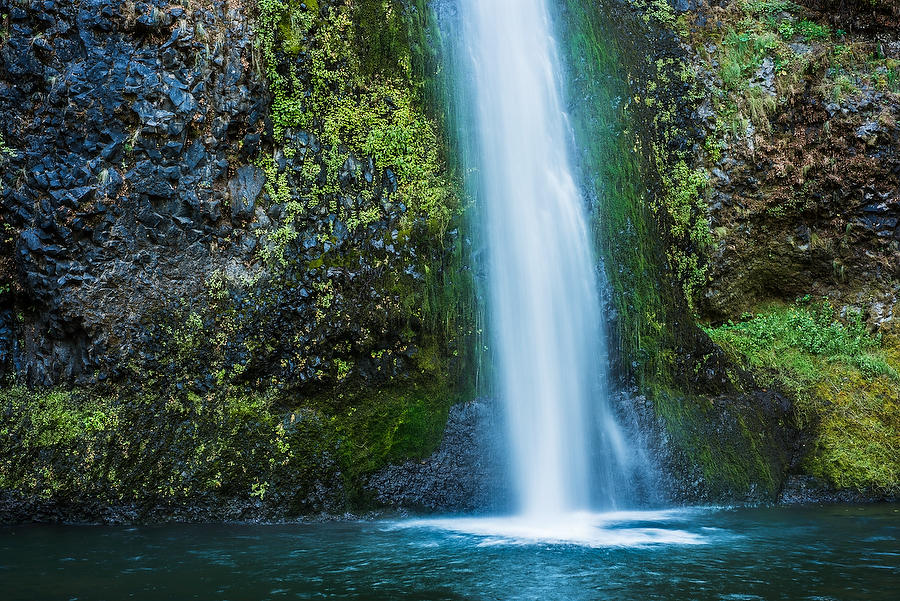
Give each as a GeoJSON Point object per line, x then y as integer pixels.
{"type": "Point", "coordinates": [232, 267]}
{"type": "Point", "coordinates": [126, 125]}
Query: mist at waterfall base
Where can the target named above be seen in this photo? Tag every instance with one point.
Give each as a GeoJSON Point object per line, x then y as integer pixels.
{"type": "Point", "coordinates": [567, 454]}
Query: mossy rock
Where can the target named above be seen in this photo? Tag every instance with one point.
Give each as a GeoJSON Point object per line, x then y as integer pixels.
{"type": "Point", "coordinates": [843, 381]}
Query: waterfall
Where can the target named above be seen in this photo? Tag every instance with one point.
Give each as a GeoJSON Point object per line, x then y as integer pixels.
{"type": "Point", "coordinates": [567, 452]}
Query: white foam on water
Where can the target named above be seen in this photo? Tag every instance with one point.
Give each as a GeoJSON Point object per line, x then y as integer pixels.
{"type": "Point", "coordinates": [587, 529]}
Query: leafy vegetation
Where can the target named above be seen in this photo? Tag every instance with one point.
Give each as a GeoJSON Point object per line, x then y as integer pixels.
{"type": "Point", "coordinates": [844, 382]}
{"type": "Point", "coordinates": [742, 54]}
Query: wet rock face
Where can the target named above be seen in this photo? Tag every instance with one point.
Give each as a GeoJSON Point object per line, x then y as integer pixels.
{"type": "Point", "coordinates": [793, 219]}
{"type": "Point", "coordinates": [729, 449]}
{"type": "Point", "coordinates": [804, 490]}
{"type": "Point", "coordinates": [125, 121]}
{"type": "Point", "coordinates": [466, 473]}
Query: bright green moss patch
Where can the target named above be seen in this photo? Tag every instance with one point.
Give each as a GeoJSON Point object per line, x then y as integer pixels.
{"type": "Point", "coordinates": [685, 204]}
{"type": "Point", "coordinates": [844, 382]}
{"type": "Point", "coordinates": [393, 424]}
{"type": "Point", "coordinates": [347, 75]}
{"type": "Point", "coordinates": [730, 444]}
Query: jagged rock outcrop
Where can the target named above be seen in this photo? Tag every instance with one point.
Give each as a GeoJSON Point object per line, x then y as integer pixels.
{"type": "Point", "coordinates": [126, 121]}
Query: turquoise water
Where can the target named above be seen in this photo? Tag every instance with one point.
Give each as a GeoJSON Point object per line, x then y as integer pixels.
{"type": "Point", "coordinates": [729, 554]}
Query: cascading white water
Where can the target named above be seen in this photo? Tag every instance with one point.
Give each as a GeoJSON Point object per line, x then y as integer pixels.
{"type": "Point", "coordinates": [567, 452]}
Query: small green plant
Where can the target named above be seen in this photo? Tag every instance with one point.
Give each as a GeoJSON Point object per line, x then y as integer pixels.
{"type": "Point", "coordinates": [787, 29]}
{"type": "Point", "coordinates": [808, 30]}
{"type": "Point", "coordinates": [258, 490]}
{"type": "Point", "coordinates": [768, 7]}
{"type": "Point", "coordinates": [343, 368]}
{"type": "Point", "coordinates": [743, 53]}
{"type": "Point", "coordinates": [813, 31]}
{"type": "Point", "coordinates": [842, 87]}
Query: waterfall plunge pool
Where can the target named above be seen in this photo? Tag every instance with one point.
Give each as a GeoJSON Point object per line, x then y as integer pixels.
{"type": "Point", "coordinates": [815, 553]}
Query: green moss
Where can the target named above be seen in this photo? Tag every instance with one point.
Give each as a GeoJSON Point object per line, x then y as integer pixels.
{"type": "Point", "coordinates": [70, 445]}
{"type": "Point", "coordinates": [685, 204]}
{"type": "Point", "coordinates": [731, 446]}
{"type": "Point", "coordinates": [843, 381]}
{"type": "Point", "coordinates": [650, 215]}
{"type": "Point", "coordinates": [360, 95]}
{"type": "Point", "coordinates": [382, 36]}
{"type": "Point", "coordinates": [393, 424]}
{"type": "Point", "coordinates": [40, 433]}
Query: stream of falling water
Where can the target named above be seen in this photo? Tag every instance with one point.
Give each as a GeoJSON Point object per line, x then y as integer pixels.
{"type": "Point", "coordinates": [567, 453]}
